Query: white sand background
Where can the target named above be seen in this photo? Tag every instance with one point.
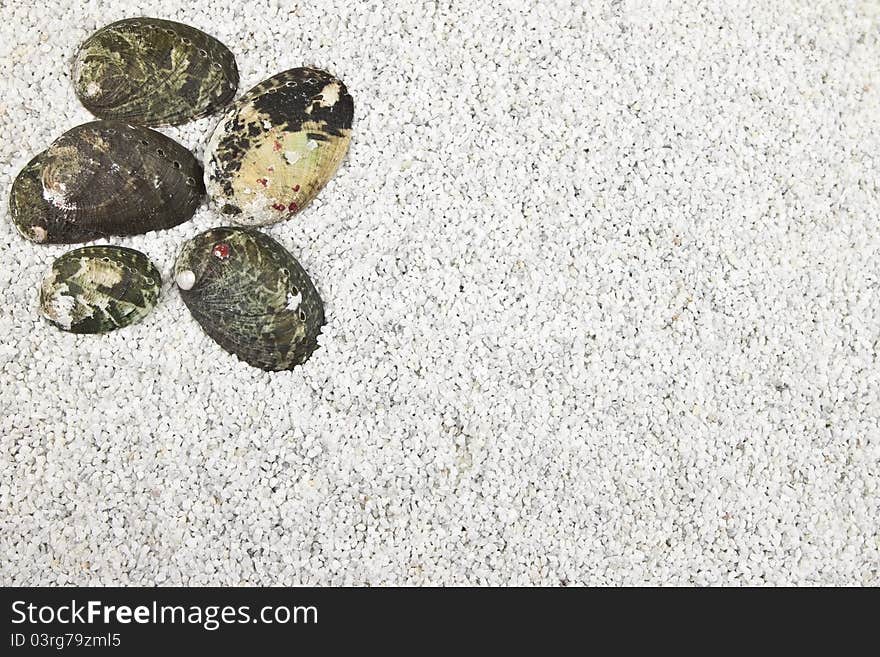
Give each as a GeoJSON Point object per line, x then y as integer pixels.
{"type": "Point", "coordinates": [602, 283]}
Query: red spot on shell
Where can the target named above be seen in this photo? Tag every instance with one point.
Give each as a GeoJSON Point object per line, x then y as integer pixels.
{"type": "Point", "coordinates": [293, 207]}
{"type": "Point", "coordinates": [296, 188]}
{"type": "Point", "coordinates": [270, 169]}
{"type": "Point", "coordinates": [263, 181]}
{"type": "Point", "coordinates": [221, 250]}
{"type": "Point", "coordinates": [279, 206]}
{"type": "Point", "coordinates": [277, 145]}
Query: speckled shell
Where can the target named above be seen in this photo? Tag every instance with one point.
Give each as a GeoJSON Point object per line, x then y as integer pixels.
{"type": "Point", "coordinates": [153, 72]}
{"type": "Point", "coordinates": [251, 296]}
{"type": "Point", "coordinates": [105, 178]}
{"type": "Point", "coordinates": [97, 289]}
{"type": "Point", "coordinates": [278, 145]}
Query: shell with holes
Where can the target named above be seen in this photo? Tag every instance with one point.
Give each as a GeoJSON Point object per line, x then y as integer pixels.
{"type": "Point", "coordinates": [153, 72]}
{"type": "Point", "coordinates": [251, 296]}
{"type": "Point", "coordinates": [105, 178]}
{"type": "Point", "coordinates": [96, 289]}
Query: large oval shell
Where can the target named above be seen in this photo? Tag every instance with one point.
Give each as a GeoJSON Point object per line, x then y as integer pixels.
{"type": "Point", "coordinates": [278, 145]}
{"type": "Point", "coordinates": [105, 178]}
{"type": "Point", "coordinates": [153, 72]}
{"type": "Point", "coordinates": [97, 289]}
{"type": "Point", "coordinates": [251, 296]}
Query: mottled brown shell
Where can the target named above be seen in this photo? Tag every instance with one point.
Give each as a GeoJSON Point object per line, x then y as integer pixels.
{"type": "Point", "coordinates": [278, 145]}
{"type": "Point", "coordinates": [251, 296]}
{"type": "Point", "coordinates": [105, 178]}
{"type": "Point", "coordinates": [153, 72]}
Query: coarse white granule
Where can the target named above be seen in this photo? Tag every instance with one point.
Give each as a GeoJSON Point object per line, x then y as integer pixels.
{"type": "Point", "coordinates": [602, 284]}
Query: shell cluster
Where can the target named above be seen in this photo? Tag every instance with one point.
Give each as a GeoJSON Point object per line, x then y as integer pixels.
{"type": "Point", "coordinates": [270, 154]}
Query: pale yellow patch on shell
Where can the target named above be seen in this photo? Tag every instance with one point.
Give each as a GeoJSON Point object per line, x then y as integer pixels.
{"type": "Point", "coordinates": [281, 171]}
{"type": "Point", "coordinates": [57, 305]}
{"type": "Point", "coordinates": [61, 308]}
{"type": "Point", "coordinates": [296, 161]}
{"type": "Point", "coordinates": [330, 94]}
{"type": "Point", "coordinates": [98, 272]}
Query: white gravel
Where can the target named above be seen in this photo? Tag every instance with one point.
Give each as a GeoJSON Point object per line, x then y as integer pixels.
{"type": "Point", "coordinates": [603, 299]}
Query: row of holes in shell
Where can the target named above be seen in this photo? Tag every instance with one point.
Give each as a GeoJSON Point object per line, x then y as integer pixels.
{"type": "Point", "coordinates": [184, 40]}
{"type": "Point", "coordinates": [190, 181]}
{"type": "Point", "coordinates": [291, 83]}
{"type": "Point", "coordinates": [147, 279]}
{"type": "Point", "coordinates": [294, 291]}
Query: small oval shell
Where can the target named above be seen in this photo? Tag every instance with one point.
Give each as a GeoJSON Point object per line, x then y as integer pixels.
{"type": "Point", "coordinates": [97, 289]}
{"type": "Point", "coordinates": [153, 72]}
{"type": "Point", "coordinates": [251, 296]}
{"type": "Point", "coordinates": [278, 145]}
{"type": "Point", "coordinates": [105, 178]}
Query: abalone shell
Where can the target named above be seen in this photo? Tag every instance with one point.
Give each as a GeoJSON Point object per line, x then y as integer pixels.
{"type": "Point", "coordinates": [96, 289]}
{"type": "Point", "coordinates": [278, 145]}
{"type": "Point", "coordinates": [153, 72]}
{"type": "Point", "coordinates": [251, 296]}
{"type": "Point", "coordinates": [105, 178]}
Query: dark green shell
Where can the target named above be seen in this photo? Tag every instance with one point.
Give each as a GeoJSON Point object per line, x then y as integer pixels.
{"type": "Point", "coordinates": [251, 296]}
{"type": "Point", "coordinates": [278, 145]}
{"type": "Point", "coordinates": [97, 289]}
{"type": "Point", "coordinates": [105, 178]}
{"type": "Point", "coordinates": [153, 72]}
